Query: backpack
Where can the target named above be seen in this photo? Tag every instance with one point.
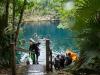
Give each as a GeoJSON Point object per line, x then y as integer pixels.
{"type": "Point", "coordinates": [68, 60]}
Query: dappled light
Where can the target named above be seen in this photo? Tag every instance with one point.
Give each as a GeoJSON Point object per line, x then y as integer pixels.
{"type": "Point", "coordinates": [49, 37]}
{"type": "Point", "coordinates": [69, 5]}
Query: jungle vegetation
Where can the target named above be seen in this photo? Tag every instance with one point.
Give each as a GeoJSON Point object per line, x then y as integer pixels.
{"type": "Point", "coordinates": [80, 16]}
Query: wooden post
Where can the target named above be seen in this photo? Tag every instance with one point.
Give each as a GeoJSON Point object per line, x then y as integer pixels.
{"type": "Point", "coordinates": [51, 68]}
{"type": "Point", "coordinates": [47, 55]}
{"type": "Point", "coordinates": [13, 60]}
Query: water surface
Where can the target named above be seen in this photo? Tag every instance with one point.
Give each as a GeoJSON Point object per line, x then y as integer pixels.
{"type": "Point", "coordinates": [60, 38]}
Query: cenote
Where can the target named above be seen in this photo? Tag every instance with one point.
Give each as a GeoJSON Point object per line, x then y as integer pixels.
{"type": "Point", "coordinates": [61, 39]}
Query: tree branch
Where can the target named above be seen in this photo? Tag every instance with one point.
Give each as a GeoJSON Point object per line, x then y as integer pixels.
{"type": "Point", "coordinates": [20, 19]}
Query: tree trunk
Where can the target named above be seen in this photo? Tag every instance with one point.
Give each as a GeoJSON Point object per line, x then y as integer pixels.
{"type": "Point", "coordinates": [13, 24]}
{"type": "Point", "coordinates": [7, 12]}
{"type": "Point", "coordinates": [20, 19]}
{"type": "Point", "coordinates": [4, 16]}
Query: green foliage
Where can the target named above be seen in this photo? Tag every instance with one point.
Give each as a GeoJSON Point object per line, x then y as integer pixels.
{"type": "Point", "coordinates": [81, 18]}
{"type": "Point", "coordinates": [7, 19]}
{"type": "Point", "coordinates": [87, 25]}
{"type": "Point", "coordinates": [90, 36]}
{"type": "Point", "coordinates": [5, 53]}
{"type": "Point", "coordinates": [84, 10]}
{"type": "Point", "coordinates": [88, 8]}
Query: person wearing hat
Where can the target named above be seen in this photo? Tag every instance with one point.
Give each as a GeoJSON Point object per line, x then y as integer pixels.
{"type": "Point", "coordinates": [34, 50]}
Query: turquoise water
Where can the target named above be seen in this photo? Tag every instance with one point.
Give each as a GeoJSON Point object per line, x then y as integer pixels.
{"type": "Point", "coordinates": [60, 38]}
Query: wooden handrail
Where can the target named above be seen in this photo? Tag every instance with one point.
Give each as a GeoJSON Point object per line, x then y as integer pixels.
{"type": "Point", "coordinates": [48, 55]}
{"type": "Point", "coordinates": [24, 50]}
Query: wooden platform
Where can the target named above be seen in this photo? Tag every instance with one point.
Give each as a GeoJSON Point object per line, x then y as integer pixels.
{"type": "Point", "coordinates": [36, 70]}
{"type": "Point", "coordinates": [44, 60]}
{"type": "Point", "coordinates": [39, 69]}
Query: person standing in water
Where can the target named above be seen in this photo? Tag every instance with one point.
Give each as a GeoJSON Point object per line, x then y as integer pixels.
{"type": "Point", "coordinates": [34, 48]}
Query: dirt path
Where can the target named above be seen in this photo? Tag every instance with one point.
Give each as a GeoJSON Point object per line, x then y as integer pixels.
{"type": "Point", "coordinates": [61, 72]}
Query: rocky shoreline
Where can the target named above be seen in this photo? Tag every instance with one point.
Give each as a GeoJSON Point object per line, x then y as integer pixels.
{"type": "Point", "coordinates": [38, 18]}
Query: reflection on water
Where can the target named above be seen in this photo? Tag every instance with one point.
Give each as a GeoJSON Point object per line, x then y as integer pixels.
{"type": "Point", "coordinates": [60, 38]}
